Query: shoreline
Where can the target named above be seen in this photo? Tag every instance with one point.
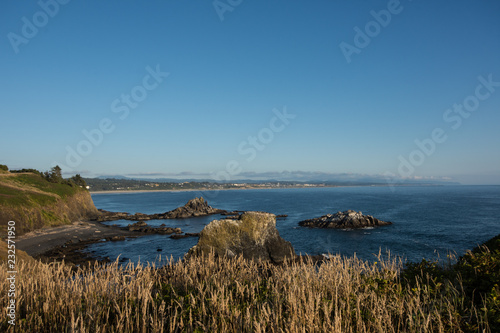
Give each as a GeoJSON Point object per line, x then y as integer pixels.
{"type": "Point", "coordinates": [66, 242]}
{"type": "Point", "coordinates": [211, 190]}
{"type": "Point", "coordinates": [259, 188]}
{"type": "Point", "coordinates": [149, 191]}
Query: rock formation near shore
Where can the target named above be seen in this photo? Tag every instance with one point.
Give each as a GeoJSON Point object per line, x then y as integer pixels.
{"type": "Point", "coordinates": [253, 235]}
{"type": "Point", "coordinates": [344, 220]}
{"type": "Point", "coordinates": [142, 226]}
{"type": "Point", "coordinates": [193, 208]}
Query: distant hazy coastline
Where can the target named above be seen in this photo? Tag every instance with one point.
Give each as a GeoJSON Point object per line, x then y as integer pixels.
{"type": "Point", "coordinates": [221, 189]}
{"type": "Point", "coordinates": [257, 188]}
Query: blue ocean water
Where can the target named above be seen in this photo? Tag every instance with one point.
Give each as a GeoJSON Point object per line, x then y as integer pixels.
{"type": "Point", "coordinates": [428, 221]}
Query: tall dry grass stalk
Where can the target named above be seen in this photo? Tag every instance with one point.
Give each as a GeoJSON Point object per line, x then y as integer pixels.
{"type": "Point", "coordinates": [231, 295]}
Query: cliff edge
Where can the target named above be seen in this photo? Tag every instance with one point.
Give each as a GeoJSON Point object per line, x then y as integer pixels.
{"type": "Point", "coordinates": [33, 202]}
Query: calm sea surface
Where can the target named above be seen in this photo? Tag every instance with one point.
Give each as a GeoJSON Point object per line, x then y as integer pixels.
{"type": "Point", "coordinates": [428, 221]}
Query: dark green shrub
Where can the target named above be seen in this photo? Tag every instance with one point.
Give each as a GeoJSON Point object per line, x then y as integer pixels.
{"type": "Point", "coordinates": [27, 171]}
{"type": "Point", "coordinates": [477, 273]}
{"type": "Point", "coordinates": [78, 180]}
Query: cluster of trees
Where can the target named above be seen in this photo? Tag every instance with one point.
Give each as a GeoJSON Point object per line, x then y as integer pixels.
{"type": "Point", "coordinates": [78, 180]}
{"type": "Point", "coordinates": [54, 175]}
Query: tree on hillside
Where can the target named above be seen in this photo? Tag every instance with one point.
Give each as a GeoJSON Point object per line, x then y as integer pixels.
{"type": "Point", "coordinates": [3, 167]}
{"type": "Point", "coordinates": [78, 180]}
{"type": "Point", "coordinates": [55, 175]}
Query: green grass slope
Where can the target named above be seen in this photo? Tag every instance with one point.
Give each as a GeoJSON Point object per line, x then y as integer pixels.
{"type": "Point", "coordinates": [33, 202]}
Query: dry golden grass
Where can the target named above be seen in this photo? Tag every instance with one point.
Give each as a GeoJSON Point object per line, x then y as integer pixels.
{"type": "Point", "coordinates": [232, 295]}
{"type": "Point", "coordinates": [20, 254]}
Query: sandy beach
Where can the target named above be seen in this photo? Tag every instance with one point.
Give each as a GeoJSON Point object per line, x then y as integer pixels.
{"type": "Point", "coordinates": [212, 190]}
{"type": "Point", "coordinates": [145, 191]}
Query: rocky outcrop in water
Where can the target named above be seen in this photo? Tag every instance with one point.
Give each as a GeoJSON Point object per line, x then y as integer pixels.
{"type": "Point", "coordinates": [344, 220]}
{"type": "Point", "coordinates": [253, 235]}
{"type": "Point", "coordinates": [193, 208]}
{"type": "Point", "coordinates": [186, 235]}
{"type": "Point", "coordinates": [142, 226]}
{"type": "Point", "coordinates": [105, 215]}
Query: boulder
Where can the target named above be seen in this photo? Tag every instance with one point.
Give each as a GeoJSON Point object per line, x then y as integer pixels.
{"type": "Point", "coordinates": [142, 226]}
{"type": "Point", "coordinates": [348, 219]}
{"type": "Point", "coordinates": [105, 215]}
{"type": "Point", "coordinates": [186, 235]}
{"type": "Point", "coordinates": [138, 226]}
{"type": "Point", "coordinates": [253, 235]}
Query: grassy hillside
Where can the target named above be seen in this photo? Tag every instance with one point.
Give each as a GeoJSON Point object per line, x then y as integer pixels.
{"type": "Point", "coordinates": [34, 202]}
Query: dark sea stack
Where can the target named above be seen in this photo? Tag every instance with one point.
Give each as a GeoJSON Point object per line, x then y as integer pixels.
{"type": "Point", "coordinates": [348, 219]}
{"type": "Point", "coordinates": [253, 235]}
{"type": "Point", "coordinates": [195, 207]}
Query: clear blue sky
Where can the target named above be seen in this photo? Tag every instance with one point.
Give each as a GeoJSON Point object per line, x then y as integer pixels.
{"type": "Point", "coordinates": [69, 69]}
